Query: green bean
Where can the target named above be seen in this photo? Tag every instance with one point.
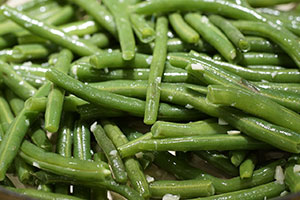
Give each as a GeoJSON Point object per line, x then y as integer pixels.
{"type": "Point", "coordinates": [156, 71]}
{"type": "Point", "coordinates": [247, 166]}
{"type": "Point", "coordinates": [16, 132]}
{"type": "Point", "coordinates": [49, 32]}
{"type": "Point", "coordinates": [270, 32]}
{"type": "Point", "coordinates": [250, 101]}
{"type": "Point", "coordinates": [42, 195]}
{"type": "Point", "coordinates": [184, 189]}
{"type": "Point", "coordinates": [268, 190]}
{"type": "Point", "coordinates": [88, 73]}
{"type": "Point", "coordinates": [118, 168]}
{"type": "Point", "coordinates": [7, 41]}
{"type": "Point", "coordinates": [60, 165]}
{"type": "Point", "coordinates": [82, 146]}
{"type": "Point", "coordinates": [287, 87]}
{"type": "Point", "coordinates": [183, 170]}
{"type": "Point", "coordinates": [259, 44]}
{"type": "Point", "coordinates": [30, 68]}
{"type": "Point", "coordinates": [24, 171]}
{"type": "Point", "coordinates": [237, 157]}
{"type": "Point", "coordinates": [292, 177]}
{"type": "Point", "coordinates": [193, 143]}
{"type": "Point", "coordinates": [264, 67]}
{"type": "Point", "coordinates": [65, 136]}
{"type": "Point", "coordinates": [266, 3]}
{"type": "Point", "coordinates": [219, 161]}
{"type": "Point", "coordinates": [125, 33]}
{"type": "Point", "coordinates": [115, 60]}
{"type": "Point", "coordinates": [99, 13]}
{"type": "Point", "coordinates": [15, 82]}
{"type": "Point", "coordinates": [101, 40]}
{"type": "Point", "coordinates": [45, 188]}
{"type": "Point", "coordinates": [206, 127]}
{"type": "Point", "coordinates": [254, 58]}
{"type": "Point", "coordinates": [142, 29]}
{"type": "Point", "coordinates": [212, 34]}
{"type": "Point", "coordinates": [56, 96]}
{"type": "Point", "coordinates": [40, 139]}
{"type": "Point", "coordinates": [133, 168]}
{"type": "Point", "coordinates": [110, 100]}
{"type": "Point", "coordinates": [183, 30]}
{"type": "Point", "coordinates": [233, 34]}
{"type": "Point", "coordinates": [1, 133]}
{"type": "Point", "coordinates": [6, 116]}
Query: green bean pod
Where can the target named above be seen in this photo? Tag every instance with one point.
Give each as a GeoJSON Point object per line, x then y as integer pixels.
{"type": "Point", "coordinates": [15, 103]}
{"type": "Point", "coordinates": [75, 168]}
{"type": "Point", "coordinates": [237, 157]}
{"type": "Point", "coordinates": [260, 44]}
{"type": "Point", "coordinates": [6, 116]}
{"type": "Point", "coordinates": [156, 71]}
{"type": "Point", "coordinates": [49, 32]}
{"type": "Point", "coordinates": [292, 177]}
{"type": "Point", "coordinates": [101, 40]}
{"type": "Point", "coordinates": [163, 129]}
{"type": "Point", "coordinates": [24, 171]}
{"type": "Point", "coordinates": [40, 139]}
{"type": "Point", "coordinates": [142, 29]}
{"type": "Point", "coordinates": [82, 146]}
{"type": "Point", "coordinates": [184, 189]}
{"type": "Point", "coordinates": [247, 166]}
{"type": "Point", "coordinates": [212, 34]}
{"type": "Point", "coordinates": [113, 157]}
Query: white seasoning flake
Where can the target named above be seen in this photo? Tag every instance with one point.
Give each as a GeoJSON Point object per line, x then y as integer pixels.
{"type": "Point", "coordinates": [149, 179]}
{"type": "Point", "coordinates": [139, 155]}
{"type": "Point", "coordinates": [279, 176]}
{"type": "Point", "coordinates": [296, 168]}
{"type": "Point", "coordinates": [93, 126]}
{"type": "Point", "coordinates": [170, 197]}
{"type": "Point", "coordinates": [189, 106]}
{"type": "Point", "coordinates": [222, 122]}
{"type": "Point", "coordinates": [113, 153]}
{"type": "Point", "coordinates": [233, 132]}
{"type": "Point", "coordinates": [284, 193]}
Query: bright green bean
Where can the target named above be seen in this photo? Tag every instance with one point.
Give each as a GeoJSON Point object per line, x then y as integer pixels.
{"type": "Point", "coordinates": [81, 138]}
{"type": "Point", "coordinates": [247, 166]}
{"type": "Point", "coordinates": [15, 103]}
{"type": "Point", "coordinates": [237, 157]}
{"type": "Point", "coordinates": [6, 116]}
{"type": "Point", "coordinates": [142, 29]}
{"type": "Point", "coordinates": [156, 71]}
{"type": "Point", "coordinates": [259, 44]}
{"type": "Point", "coordinates": [101, 40]}
{"type": "Point", "coordinates": [292, 177]}
{"type": "Point", "coordinates": [40, 139]}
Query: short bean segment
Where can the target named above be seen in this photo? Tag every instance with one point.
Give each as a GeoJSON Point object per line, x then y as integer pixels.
{"type": "Point", "coordinates": [16, 104]}
{"type": "Point", "coordinates": [156, 71]}
{"type": "Point", "coordinates": [113, 157]}
{"type": "Point", "coordinates": [212, 34]}
{"type": "Point", "coordinates": [237, 157]}
{"type": "Point", "coordinates": [247, 166]}
{"type": "Point", "coordinates": [183, 30]}
{"type": "Point", "coordinates": [125, 32]}
{"type": "Point", "coordinates": [142, 29]}
{"type": "Point", "coordinates": [6, 116]}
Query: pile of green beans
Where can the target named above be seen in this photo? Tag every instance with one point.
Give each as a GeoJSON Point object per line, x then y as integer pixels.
{"type": "Point", "coordinates": [156, 99]}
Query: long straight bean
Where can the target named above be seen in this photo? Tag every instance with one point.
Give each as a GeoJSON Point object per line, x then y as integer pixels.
{"type": "Point", "coordinates": [49, 32]}
{"type": "Point", "coordinates": [6, 116]}
{"type": "Point", "coordinates": [16, 104]}
{"type": "Point", "coordinates": [113, 157]}
{"type": "Point", "coordinates": [56, 95]}
{"type": "Point", "coordinates": [156, 71]}
{"type": "Point", "coordinates": [125, 32]}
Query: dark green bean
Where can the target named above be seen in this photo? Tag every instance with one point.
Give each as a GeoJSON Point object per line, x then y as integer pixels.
{"type": "Point", "coordinates": [125, 32]}
{"type": "Point", "coordinates": [219, 161]}
{"type": "Point", "coordinates": [212, 34]}
{"type": "Point", "coordinates": [156, 71]}
{"type": "Point", "coordinates": [15, 103]}
{"type": "Point", "coordinates": [260, 44]}
{"type": "Point", "coordinates": [24, 171]}
{"type": "Point", "coordinates": [49, 32]}
{"type": "Point", "coordinates": [233, 34]}
{"type": "Point", "coordinates": [237, 157]}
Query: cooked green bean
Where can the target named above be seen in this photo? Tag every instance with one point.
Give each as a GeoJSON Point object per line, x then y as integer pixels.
{"type": "Point", "coordinates": [183, 30]}
{"type": "Point", "coordinates": [142, 29]}
{"type": "Point", "coordinates": [82, 146]}
{"type": "Point", "coordinates": [184, 189]}
{"type": "Point", "coordinates": [156, 71]}
{"type": "Point", "coordinates": [193, 143]}
{"type": "Point", "coordinates": [260, 44]}
{"type": "Point", "coordinates": [212, 34]}
{"type": "Point", "coordinates": [219, 161]}
{"type": "Point", "coordinates": [292, 177]}
{"type": "Point", "coordinates": [56, 95]}
{"type": "Point", "coordinates": [287, 87]}
{"type": "Point", "coordinates": [125, 32]}
{"type": "Point", "coordinates": [49, 32]}
{"type": "Point", "coordinates": [247, 166]}
{"type": "Point", "coordinates": [133, 168]}
{"type": "Point", "coordinates": [40, 139]}
{"type": "Point", "coordinates": [101, 40]}
{"type": "Point", "coordinates": [118, 168]}
{"type": "Point", "coordinates": [250, 102]}
{"type": "Point", "coordinates": [7, 41]}
{"type": "Point", "coordinates": [100, 14]}
{"type": "Point", "coordinates": [237, 157]}
{"type": "Point", "coordinates": [115, 60]}
{"type": "Point", "coordinates": [233, 34]}
{"type": "Point", "coordinates": [75, 168]}
{"type": "Point", "coordinates": [12, 140]}
{"type": "Point", "coordinates": [65, 136]}
{"type": "Point", "coordinates": [16, 104]}
{"type": "Point", "coordinates": [6, 116]}
{"type": "Point", "coordinates": [24, 171]}
{"type": "Point", "coordinates": [268, 190]}
{"type": "Point", "coordinates": [171, 130]}
{"type": "Point", "coordinates": [266, 3]}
